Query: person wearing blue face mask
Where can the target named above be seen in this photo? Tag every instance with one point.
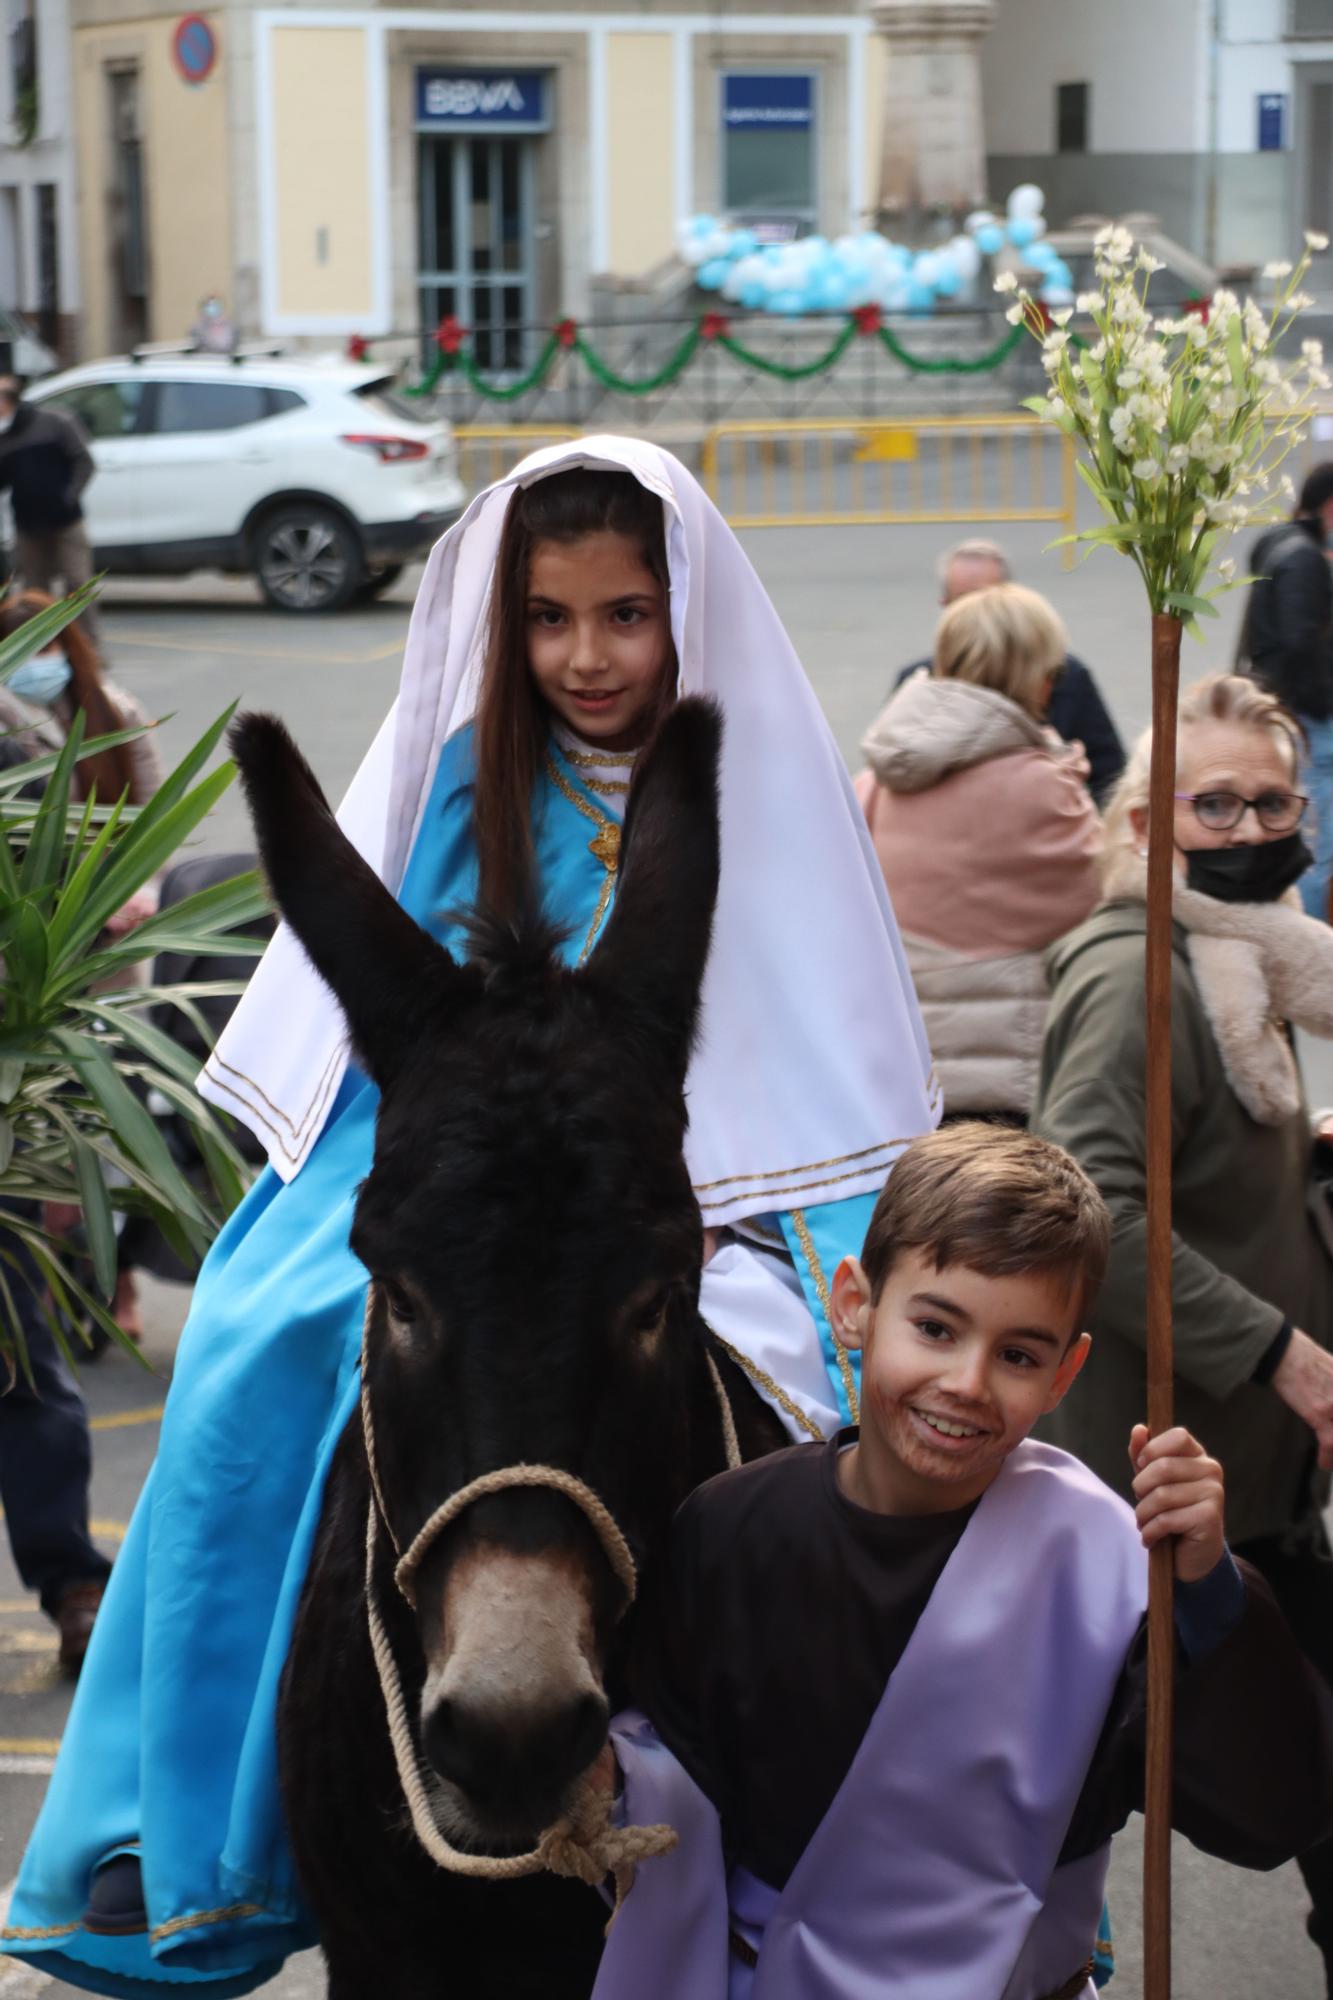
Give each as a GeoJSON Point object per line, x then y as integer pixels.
{"type": "Point", "coordinates": [1253, 1244]}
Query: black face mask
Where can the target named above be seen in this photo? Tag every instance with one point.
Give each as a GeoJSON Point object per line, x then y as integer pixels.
{"type": "Point", "coordinates": [1247, 874]}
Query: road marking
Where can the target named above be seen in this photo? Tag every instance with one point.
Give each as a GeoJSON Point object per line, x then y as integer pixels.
{"type": "Point", "coordinates": [25, 1767]}
{"type": "Point", "coordinates": [109, 1531]}
{"type": "Point", "coordinates": [221, 648]}
{"type": "Point", "coordinates": [29, 1746]}
{"type": "Point", "coordinates": [121, 1420]}
{"type": "Point", "coordinates": [14, 1604]}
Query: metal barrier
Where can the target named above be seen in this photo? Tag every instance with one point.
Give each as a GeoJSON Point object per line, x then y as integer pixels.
{"type": "Point", "coordinates": [487, 451]}
{"type": "Point", "coordinates": [841, 473]}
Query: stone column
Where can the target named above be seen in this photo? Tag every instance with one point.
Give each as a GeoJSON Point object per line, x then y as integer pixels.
{"type": "Point", "coordinates": [933, 155]}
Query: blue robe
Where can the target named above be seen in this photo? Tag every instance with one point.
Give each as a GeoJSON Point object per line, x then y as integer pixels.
{"type": "Point", "coordinates": [171, 1743]}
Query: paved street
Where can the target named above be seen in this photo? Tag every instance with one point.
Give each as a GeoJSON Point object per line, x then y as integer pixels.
{"type": "Point", "coordinates": [858, 603]}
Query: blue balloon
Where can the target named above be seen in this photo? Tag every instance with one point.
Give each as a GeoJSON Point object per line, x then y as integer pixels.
{"type": "Point", "coordinates": [831, 291]}
{"type": "Point", "coordinates": [1042, 255]}
{"type": "Point", "coordinates": [1022, 230]}
{"type": "Point", "coordinates": [949, 282]}
{"type": "Point", "coordinates": [788, 302]}
{"type": "Point", "coordinates": [753, 295]}
{"type": "Point", "coordinates": [712, 274]}
{"type": "Point", "coordinates": [990, 239]}
{"type": "Point", "coordinates": [1060, 274]}
{"type": "Point", "coordinates": [920, 298]}
{"type": "Point", "coordinates": [743, 244]}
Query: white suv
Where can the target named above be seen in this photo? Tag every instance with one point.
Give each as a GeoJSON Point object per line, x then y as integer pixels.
{"type": "Point", "coordinates": [314, 475]}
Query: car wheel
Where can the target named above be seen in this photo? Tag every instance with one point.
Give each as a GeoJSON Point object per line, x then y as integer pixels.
{"type": "Point", "coordinates": [306, 558]}
{"type": "Point", "coordinates": [375, 586]}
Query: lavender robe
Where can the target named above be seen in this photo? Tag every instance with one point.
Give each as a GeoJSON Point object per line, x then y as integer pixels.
{"type": "Point", "coordinates": [934, 1871]}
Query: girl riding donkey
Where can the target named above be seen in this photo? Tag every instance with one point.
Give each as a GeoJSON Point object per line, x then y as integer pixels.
{"type": "Point", "coordinates": [553, 627]}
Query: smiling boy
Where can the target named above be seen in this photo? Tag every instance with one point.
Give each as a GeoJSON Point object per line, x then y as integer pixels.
{"type": "Point", "coordinates": [895, 1682]}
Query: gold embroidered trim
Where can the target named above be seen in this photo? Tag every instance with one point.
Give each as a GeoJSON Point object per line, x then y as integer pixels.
{"type": "Point", "coordinates": [806, 1167]}
{"type": "Point", "coordinates": [769, 1386]}
{"type": "Point", "coordinates": [315, 1108]}
{"type": "Point", "coordinates": [807, 1242]}
{"type": "Point", "coordinates": [38, 1931]}
{"type": "Point", "coordinates": [586, 759]}
{"type": "Point", "coordinates": [605, 847]}
{"type": "Point", "coordinates": [801, 1187]}
{"type": "Point", "coordinates": [193, 1923]}
{"type": "Point", "coordinates": [608, 788]}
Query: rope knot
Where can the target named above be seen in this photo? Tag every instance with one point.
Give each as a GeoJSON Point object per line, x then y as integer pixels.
{"type": "Point", "coordinates": [587, 1846]}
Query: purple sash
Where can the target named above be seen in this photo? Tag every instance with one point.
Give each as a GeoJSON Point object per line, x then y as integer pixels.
{"type": "Point", "coordinates": [931, 1872]}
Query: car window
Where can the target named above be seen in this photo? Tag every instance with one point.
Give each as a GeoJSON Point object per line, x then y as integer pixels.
{"type": "Point", "coordinates": [282, 400]}
{"type": "Point", "coordinates": [209, 406]}
{"type": "Point", "coordinates": [378, 396]}
{"type": "Point", "coordinates": [105, 409]}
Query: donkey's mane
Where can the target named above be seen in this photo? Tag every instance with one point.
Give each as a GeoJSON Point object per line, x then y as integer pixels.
{"type": "Point", "coordinates": [522, 946]}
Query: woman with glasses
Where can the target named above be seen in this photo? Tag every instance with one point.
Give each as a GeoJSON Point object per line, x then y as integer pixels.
{"type": "Point", "coordinates": [1253, 1281]}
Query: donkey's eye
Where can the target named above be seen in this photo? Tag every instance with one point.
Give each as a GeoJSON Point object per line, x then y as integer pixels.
{"type": "Point", "coordinates": [397, 1299]}
{"type": "Point", "coordinates": [646, 1319]}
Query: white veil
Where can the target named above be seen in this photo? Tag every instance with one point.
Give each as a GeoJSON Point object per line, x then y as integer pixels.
{"type": "Point", "coordinates": [812, 1069]}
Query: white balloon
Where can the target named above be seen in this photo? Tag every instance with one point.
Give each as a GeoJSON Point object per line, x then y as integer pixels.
{"type": "Point", "coordinates": [1026, 200]}
{"type": "Point", "coordinates": [1057, 295]}
{"type": "Point", "coordinates": [965, 257]}
{"type": "Point", "coordinates": [926, 268]}
{"type": "Point", "coordinates": [978, 219]}
{"type": "Point", "coordinates": [695, 250]}
{"type": "Point", "coordinates": [733, 284]}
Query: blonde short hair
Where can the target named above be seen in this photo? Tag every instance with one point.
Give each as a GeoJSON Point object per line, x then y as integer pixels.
{"type": "Point", "coordinates": [1215, 698]}
{"type": "Point", "coordinates": [1007, 638]}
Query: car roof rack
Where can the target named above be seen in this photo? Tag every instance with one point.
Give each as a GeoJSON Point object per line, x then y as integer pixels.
{"type": "Point", "coordinates": [189, 350]}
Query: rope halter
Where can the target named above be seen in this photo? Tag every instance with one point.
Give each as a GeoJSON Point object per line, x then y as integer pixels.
{"type": "Point", "coordinates": [583, 1843]}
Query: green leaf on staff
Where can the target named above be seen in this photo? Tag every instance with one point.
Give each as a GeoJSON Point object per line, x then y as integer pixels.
{"type": "Point", "coordinates": [1197, 607]}
{"type": "Point", "coordinates": [98, 1221]}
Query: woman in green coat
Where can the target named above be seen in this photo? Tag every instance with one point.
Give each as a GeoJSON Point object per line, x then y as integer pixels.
{"type": "Point", "coordinates": [1253, 1281]}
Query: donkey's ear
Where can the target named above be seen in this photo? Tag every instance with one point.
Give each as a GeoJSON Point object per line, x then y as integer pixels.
{"type": "Point", "coordinates": [385, 972]}
{"type": "Point", "coordinates": [654, 950]}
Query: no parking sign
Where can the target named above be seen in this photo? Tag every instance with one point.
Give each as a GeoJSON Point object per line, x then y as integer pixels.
{"type": "Point", "coordinates": [195, 48]}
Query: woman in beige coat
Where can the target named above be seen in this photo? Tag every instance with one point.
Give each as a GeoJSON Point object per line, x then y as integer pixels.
{"type": "Point", "coordinates": [987, 837]}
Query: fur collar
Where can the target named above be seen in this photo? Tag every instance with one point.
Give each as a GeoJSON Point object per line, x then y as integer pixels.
{"type": "Point", "coordinates": [1257, 967]}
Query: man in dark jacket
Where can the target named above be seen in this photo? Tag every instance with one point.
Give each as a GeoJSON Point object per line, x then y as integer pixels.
{"type": "Point", "coordinates": [1287, 642]}
{"type": "Point", "coordinates": [45, 463]}
{"type": "Point", "coordinates": [1077, 711]}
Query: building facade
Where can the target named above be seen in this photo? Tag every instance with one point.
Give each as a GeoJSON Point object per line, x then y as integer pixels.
{"type": "Point", "coordinates": [1216, 115]}
{"type": "Point", "coordinates": [360, 169]}
{"type": "Point", "coordinates": [39, 263]}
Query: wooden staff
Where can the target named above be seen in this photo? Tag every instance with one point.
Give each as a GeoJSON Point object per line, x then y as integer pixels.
{"type": "Point", "coordinates": [1166, 634]}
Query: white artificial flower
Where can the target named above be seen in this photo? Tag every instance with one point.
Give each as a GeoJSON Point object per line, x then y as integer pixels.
{"type": "Point", "coordinates": [1053, 343]}
{"type": "Point", "coordinates": [1057, 406]}
{"type": "Point", "coordinates": [1299, 302]}
{"type": "Point", "coordinates": [1177, 458]}
{"type": "Point", "coordinates": [1007, 281]}
{"type": "Point", "coordinates": [1145, 468]}
{"type": "Point", "coordinates": [1015, 312]}
{"type": "Point", "coordinates": [1227, 568]}
{"type": "Point", "coordinates": [1063, 317]}
{"type": "Point", "coordinates": [1089, 302]}
{"type": "Point", "coordinates": [1197, 333]}
{"type": "Point", "coordinates": [1053, 361]}
{"type": "Point", "coordinates": [1278, 270]}
{"type": "Point", "coordinates": [1129, 378]}
{"type": "Point", "coordinates": [1319, 378]}
{"type": "Point", "coordinates": [1285, 487]}
{"type": "Point", "coordinates": [1315, 240]}
{"type": "Point", "coordinates": [1147, 262]}
{"type": "Point", "coordinates": [1312, 351]}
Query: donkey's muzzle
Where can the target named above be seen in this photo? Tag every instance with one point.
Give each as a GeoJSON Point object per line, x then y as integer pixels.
{"type": "Point", "coordinates": [513, 1767]}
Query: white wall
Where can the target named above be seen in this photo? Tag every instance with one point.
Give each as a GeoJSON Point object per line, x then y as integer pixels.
{"type": "Point", "coordinates": [1142, 59]}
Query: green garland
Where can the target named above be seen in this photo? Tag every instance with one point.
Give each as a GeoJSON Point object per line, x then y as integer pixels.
{"type": "Point", "coordinates": [709, 330]}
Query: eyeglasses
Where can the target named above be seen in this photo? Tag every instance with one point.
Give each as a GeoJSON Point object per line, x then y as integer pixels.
{"type": "Point", "coordinates": [1277, 812]}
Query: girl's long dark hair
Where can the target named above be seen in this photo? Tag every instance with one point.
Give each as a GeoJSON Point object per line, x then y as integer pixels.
{"type": "Point", "coordinates": [110, 771]}
{"type": "Point", "coordinates": [512, 720]}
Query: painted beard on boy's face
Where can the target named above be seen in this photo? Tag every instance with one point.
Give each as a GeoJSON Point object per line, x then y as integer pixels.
{"type": "Point", "coordinates": [598, 636]}
{"type": "Point", "coordinates": [957, 1368]}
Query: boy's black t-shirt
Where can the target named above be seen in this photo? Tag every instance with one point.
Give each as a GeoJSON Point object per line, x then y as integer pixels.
{"type": "Point", "coordinates": [766, 1640]}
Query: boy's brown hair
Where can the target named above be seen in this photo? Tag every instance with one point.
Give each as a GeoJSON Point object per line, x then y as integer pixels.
{"type": "Point", "coordinates": [996, 1200]}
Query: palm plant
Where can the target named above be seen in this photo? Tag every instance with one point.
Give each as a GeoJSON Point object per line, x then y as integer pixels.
{"type": "Point", "coordinates": [78, 1053]}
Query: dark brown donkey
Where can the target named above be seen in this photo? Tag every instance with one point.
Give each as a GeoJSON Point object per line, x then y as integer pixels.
{"type": "Point", "coordinates": [534, 1248]}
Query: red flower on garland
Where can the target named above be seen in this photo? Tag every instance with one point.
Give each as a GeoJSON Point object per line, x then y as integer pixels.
{"type": "Point", "coordinates": [868, 319]}
{"type": "Point", "coordinates": [713, 325]}
{"type": "Point", "coordinates": [566, 332]}
{"type": "Point", "coordinates": [1198, 305]}
{"type": "Point", "coordinates": [450, 335]}
{"type": "Point", "coordinates": [358, 347]}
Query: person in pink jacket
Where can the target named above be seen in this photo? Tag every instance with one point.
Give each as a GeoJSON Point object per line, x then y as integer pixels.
{"type": "Point", "coordinates": [987, 837]}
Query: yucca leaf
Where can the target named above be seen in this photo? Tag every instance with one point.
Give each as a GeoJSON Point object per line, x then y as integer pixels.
{"type": "Point", "coordinates": [98, 1221]}
{"type": "Point", "coordinates": [36, 633]}
{"type": "Point", "coordinates": [128, 1119]}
